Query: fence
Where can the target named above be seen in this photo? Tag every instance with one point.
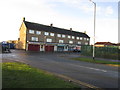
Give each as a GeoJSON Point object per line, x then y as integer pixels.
{"type": "Point", "coordinates": [101, 52]}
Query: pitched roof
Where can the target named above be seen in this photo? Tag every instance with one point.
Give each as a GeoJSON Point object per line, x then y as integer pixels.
{"type": "Point", "coordinates": [41, 27]}
{"type": "Point", "coordinates": [104, 43]}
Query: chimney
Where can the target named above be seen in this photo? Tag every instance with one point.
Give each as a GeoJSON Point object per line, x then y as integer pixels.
{"type": "Point", "coordinates": [70, 29]}
{"type": "Point", "coordinates": [23, 18]}
{"type": "Point", "coordinates": [51, 25]}
{"type": "Point", "coordinates": [85, 32]}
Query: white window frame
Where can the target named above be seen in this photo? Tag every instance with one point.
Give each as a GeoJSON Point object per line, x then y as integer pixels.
{"type": "Point", "coordinates": [38, 32]}
{"type": "Point", "coordinates": [73, 37]}
{"type": "Point", "coordinates": [69, 36]}
{"type": "Point", "coordinates": [46, 33]}
{"type": "Point", "coordinates": [79, 42]}
{"type": "Point", "coordinates": [61, 41]}
{"type": "Point", "coordinates": [87, 39]}
{"type": "Point", "coordinates": [48, 40]}
{"type": "Point", "coordinates": [77, 38]}
{"type": "Point", "coordinates": [34, 38]}
{"type": "Point", "coordinates": [52, 34]}
{"type": "Point", "coordinates": [81, 38]}
{"type": "Point", "coordinates": [58, 35]}
{"type": "Point", "coordinates": [63, 36]}
{"type": "Point", "coordinates": [71, 42]}
{"type": "Point", "coordinates": [31, 31]}
{"type": "Point", "coordinates": [86, 43]}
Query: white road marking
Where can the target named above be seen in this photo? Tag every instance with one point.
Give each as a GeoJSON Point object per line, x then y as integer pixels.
{"type": "Point", "coordinates": [92, 68]}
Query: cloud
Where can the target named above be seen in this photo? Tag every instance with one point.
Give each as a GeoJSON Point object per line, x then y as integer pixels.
{"type": "Point", "coordinates": [42, 11]}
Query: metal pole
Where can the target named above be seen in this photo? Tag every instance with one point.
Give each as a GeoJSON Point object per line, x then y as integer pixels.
{"type": "Point", "coordinates": [94, 29]}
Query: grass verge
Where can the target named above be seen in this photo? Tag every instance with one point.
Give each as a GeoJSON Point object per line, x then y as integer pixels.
{"type": "Point", "coordinates": [19, 75]}
{"type": "Point", "coordinates": [96, 61]}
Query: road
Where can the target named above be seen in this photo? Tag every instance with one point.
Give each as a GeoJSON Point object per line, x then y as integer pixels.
{"type": "Point", "coordinates": [95, 74]}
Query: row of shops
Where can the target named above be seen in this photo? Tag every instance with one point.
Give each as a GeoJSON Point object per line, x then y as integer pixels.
{"type": "Point", "coordinates": [50, 47]}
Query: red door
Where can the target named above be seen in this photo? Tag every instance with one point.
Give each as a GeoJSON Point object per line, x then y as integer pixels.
{"type": "Point", "coordinates": [32, 47]}
{"type": "Point", "coordinates": [49, 48]}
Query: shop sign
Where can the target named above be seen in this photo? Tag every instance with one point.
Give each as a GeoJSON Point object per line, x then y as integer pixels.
{"type": "Point", "coordinates": [60, 45]}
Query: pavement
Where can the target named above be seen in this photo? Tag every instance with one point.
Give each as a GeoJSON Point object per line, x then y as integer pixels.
{"type": "Point", "coordinates": [97, 75]}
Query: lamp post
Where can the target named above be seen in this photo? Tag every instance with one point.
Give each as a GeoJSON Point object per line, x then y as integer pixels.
{"type": "Point", "coordinates": [94, 29]}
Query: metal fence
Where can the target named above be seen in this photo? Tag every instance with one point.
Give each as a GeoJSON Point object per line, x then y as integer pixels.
{"type": "Point", "coordinates": [102, 52]}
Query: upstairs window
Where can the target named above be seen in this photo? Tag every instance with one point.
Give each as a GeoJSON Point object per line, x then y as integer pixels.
{"type": "Point", "coordinates": [38, 32]}
{"type": "Point", "coordinates": [34, 38]}
{"type": "Point", "coordinates": [87, 39]}
{"type": "Point", "coordinates": [61, 41]}
{"type": "Point", "coordinates": [63, 36]}
{"type": "Point", "coordinates": [73, 37]}
{"type": "Point", "coordinates": [71, 42]}
{"type": "Point", "coordinates": [59, 35]}
{"type": "Point", "coordinates": [31, 31]}
{"type": "Point", "coordinates": [69, 36]}
{"type": "Point", "coordinates": [80, 38]}
{"type": "Point", "coordinates": [49, 40]}
{"type": "Point", "coordinates": [46, 33]}
{"type": "Point", "coordinates": [51, 34]}
{"type": "Point", "coordinates": [77, 38]}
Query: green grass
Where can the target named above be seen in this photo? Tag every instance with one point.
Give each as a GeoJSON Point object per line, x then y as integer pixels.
{"type": "Point", "coordinates": [95, 61]}
{"type": "Point", "coordinates": [18, 75]}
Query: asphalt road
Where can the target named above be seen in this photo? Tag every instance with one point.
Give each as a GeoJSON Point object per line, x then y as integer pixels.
{"type": "Point", "coordinates": [95, 74]}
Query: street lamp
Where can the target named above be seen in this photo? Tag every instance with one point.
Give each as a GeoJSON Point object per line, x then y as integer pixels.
{"type": "Point", "coordinates": [94, 29]}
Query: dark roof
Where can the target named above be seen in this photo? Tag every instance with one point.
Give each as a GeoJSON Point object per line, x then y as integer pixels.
{"type": "Point", "coordinates": [36, 26]}
{"type": "Point", "coordinates": [104, 43]}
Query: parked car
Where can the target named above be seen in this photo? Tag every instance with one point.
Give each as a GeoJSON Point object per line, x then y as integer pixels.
{"type": "Point", "coordinates": [5, 47]}
{"type": "Point", "coordinates": [77, 49]}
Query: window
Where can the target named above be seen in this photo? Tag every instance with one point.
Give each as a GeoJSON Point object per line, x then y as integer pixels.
{"type": "Point", "coordinates": [77, 38]}
{"type": "Point", "coordinates": [87, 39]}
{"type": "Point", "coordinates": [59, 35]}
{"type": "Point", "coordinates": [63, 36]}
{"type": "Point", "coordinates": [61, 41]}
{"type": "Point", "coordinates": [51, 34]}
{"type": "Point", "coordinates": [79, 42]}
{"type": "Point", "coordinates": [80, 38]}
{"type": "Point", "coordinates": [31, 31]}
{"type": "Point", "coordinates": [38, 32]}
{"type": "Point", "coordinates": [46, 33]}
{"type": "Point", "coordinates": [34, 38]}
{"type": "Point", "coordinates": [70, 42]}
{"type": "Point", "coordinates": [73, 37]}
{"type": "Point", "coordinates": [69, 36]}
{"type": "Point", "coordinates": [49, 40]}
{"type": "Point", "coordinates": [86, 43]}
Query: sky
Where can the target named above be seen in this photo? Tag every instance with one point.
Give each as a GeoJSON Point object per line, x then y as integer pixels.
{"type": "Point", "coordinates": [75, 14]}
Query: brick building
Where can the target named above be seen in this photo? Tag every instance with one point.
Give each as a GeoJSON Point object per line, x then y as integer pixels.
{"type": "Point", "coordinates": [38, 37]}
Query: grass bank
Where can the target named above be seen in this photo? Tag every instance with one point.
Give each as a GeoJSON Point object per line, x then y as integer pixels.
{"type": "Point", "coordinates": [18, 75]}
{"type": "Point", "coordinates": [96, 61]}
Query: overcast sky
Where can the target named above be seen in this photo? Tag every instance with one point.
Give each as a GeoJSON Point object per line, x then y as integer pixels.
{"type": "Point", "coordinates": [76, 14]}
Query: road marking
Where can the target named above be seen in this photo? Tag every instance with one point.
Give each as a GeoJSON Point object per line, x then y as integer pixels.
{"type": "Point", "coordinates": [91, 68]}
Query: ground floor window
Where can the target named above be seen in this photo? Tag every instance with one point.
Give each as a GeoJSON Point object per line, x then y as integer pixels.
{"type": "Point", "coordinates": [60, 48]}
{"type": "Point", "coordinates": [70, 48]}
